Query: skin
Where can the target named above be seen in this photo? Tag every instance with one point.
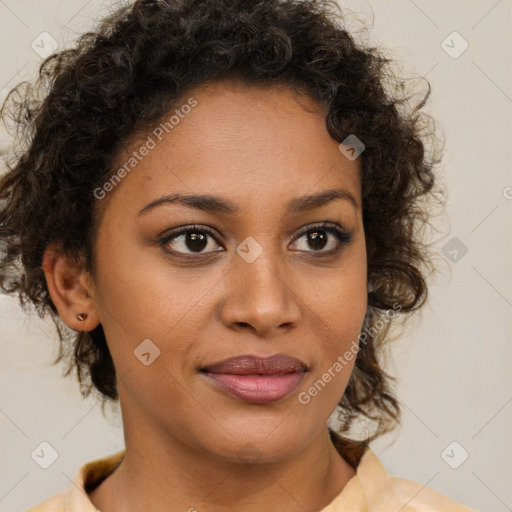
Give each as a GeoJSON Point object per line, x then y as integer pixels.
{"type": "Point", "coordinates": [184, 437]}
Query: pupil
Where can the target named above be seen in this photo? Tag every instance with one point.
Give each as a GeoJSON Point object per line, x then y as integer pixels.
{"type": "Point", "coordinates": [318, 238]}
{"type": "Point", "coordinates": [196, 242]}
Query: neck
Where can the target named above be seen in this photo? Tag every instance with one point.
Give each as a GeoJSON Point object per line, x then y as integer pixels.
{"type": "Point", "coordinates": [179, 478]}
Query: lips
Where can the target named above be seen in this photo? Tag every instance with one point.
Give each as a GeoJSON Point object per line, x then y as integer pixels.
{"type": "Point", "coordinates": [255, 379]}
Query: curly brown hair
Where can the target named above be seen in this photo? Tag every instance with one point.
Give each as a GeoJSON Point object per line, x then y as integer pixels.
{"type": "Point", "coordinates": [90, 100]}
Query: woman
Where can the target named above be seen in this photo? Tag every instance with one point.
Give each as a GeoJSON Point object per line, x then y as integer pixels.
{"type": "Point", "coordinates": [223, 198]}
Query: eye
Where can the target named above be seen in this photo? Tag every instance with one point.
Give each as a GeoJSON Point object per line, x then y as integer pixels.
{"type": "Point", "coordinates": [318, 238]}
{"type": "Point", "coordinates": [192, 241]}
{"type": "Point", "coordinates": [193, 238]}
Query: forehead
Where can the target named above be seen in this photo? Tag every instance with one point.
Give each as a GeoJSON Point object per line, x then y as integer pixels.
{"type": "Point", "coordinates": [249, 143]}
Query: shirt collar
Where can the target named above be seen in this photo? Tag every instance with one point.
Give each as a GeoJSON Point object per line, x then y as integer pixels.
{"type": "Point", "coordinates": [77, 499]}
{"type": "Point", "coordinates": [369, 478]}
{"type": "Point", "coordinates": [360, 490]}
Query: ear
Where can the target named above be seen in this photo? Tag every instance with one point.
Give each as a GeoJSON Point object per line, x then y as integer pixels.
{"type": "Point", "coordinates": [70, 288]}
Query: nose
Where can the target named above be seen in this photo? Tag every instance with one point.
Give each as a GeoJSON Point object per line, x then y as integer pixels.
{"type": "Point", "coordinates": [260, 297]}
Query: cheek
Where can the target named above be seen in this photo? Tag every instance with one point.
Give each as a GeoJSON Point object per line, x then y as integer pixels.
{"type": "Point", "coordinates": [139, 291]}
{"type": "Point", "coordinates": [143, 298]}
{"type": "Point", "coordinates": [339, 299]}
{"type": "Point", "coordinates": [340, 305]}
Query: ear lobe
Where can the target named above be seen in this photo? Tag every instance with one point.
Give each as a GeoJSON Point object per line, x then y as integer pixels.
{"type": "Point", "coordinates": [66, 280]}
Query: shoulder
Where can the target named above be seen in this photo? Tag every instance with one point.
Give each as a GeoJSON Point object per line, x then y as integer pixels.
{"type": "Point", "coordinates": [56, 503]}
{"type": "Point", "coordinates": [410, 496]}
{"type": "Point", "coordinates": [75, 498]}
{"type": "Point", "coordinates": [373, 489]}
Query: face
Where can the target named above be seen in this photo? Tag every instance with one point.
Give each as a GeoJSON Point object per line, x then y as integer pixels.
{"type": "Point", "coordinates": [256, 276]}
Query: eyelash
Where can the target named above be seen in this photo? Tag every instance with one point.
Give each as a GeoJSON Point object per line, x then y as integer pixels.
{"type": "Point", "coordinates": [343, 237]}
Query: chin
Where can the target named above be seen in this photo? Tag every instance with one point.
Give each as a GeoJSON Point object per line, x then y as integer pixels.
{"type": "Point", "coordinates": [259, 448]}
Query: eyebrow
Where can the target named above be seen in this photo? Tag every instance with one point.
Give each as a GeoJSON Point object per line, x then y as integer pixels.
{"type": "Point", "coordinates": [214, 204]}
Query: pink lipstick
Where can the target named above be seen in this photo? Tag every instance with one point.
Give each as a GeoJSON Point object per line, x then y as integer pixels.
{"type": "Point", "coordinates": [255, 379]}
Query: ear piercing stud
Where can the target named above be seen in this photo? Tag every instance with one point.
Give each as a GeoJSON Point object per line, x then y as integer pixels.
{"type": "Point", "coordinates": [82, 317]}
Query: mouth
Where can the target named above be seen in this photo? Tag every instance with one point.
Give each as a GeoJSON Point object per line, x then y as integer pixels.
{"type": "Point", "coordinates": [257, 380]}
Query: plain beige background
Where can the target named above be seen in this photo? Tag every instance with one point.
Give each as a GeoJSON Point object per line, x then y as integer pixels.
{"type": "Point", "coordinates": [453, 362]}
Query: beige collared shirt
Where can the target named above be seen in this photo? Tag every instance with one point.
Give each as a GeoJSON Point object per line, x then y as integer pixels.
{"type": "Point", "coordinates": [371, 489]}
